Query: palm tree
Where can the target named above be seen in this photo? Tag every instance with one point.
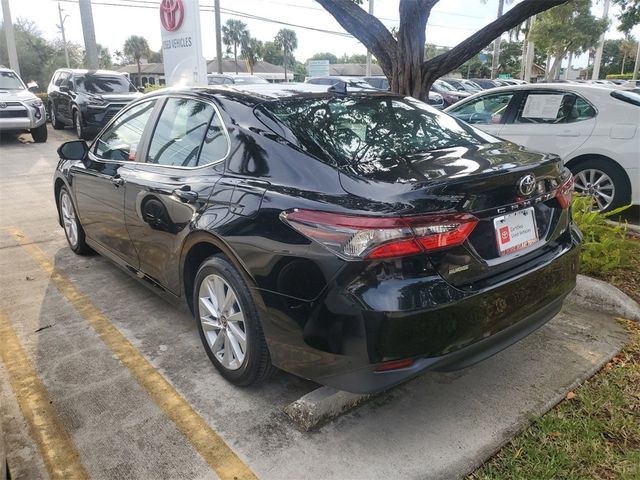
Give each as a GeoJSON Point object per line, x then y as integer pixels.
{"type": "Point", "coordinates": [628, 49]}
{"type": "Point", "coordinates": [235, 34]}
{"type": "Point", "coordinates": [136, 47]}
{"type": "Point", "coordinates": [251, 52]}
{"type": "Point", "coordinates": [287, 41]}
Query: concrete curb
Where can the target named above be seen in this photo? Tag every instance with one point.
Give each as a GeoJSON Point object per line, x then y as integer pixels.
{"type": "Point", "coordinates": [326, 403]}
{"type": "Point", "coordinates": [599, 295]}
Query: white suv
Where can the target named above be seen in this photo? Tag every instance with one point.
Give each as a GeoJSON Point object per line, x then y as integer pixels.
{"type": "Point", "coordinates": [20, 110]}
{"type": "Point", "coordinates": [595, 129]}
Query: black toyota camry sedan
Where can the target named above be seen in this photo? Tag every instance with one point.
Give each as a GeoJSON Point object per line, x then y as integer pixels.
{"type": "Point", "coordinates": [354, 239]}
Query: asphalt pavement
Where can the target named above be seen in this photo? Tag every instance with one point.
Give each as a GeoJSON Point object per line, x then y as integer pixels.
{"type": "Point", "coordinates": [100, 378]}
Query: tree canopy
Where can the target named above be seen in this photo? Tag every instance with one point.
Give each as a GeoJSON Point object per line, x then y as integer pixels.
{"type": "Point", "coordinates": [234, 34]}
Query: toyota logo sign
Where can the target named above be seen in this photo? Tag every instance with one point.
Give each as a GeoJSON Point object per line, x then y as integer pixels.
{"type": "Point", "coordinates": [527, 185]}
{"type": "Point", "coordinates": [171, 14]}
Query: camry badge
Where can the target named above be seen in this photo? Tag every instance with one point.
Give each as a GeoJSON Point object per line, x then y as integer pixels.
{"type": "Point", "coordinates": [3, 105]}
{"type": "Point", "coordinates": [527, 184]}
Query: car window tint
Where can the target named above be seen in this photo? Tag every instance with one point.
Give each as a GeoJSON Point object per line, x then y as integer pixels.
{"type": "Point", "coordinates": [488, 109]}
{"type": "Point", "coordinates": [553, 108]}
{"type": "Point", "coordinates": [62, 79]}
{"type": "Point", "coordinates": [180, 133]}
{"type": "Point", "coordinates": [120, 141]}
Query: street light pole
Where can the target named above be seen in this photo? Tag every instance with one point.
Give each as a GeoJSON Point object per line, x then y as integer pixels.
{"type": "Point", "coordinates": [637, 66]}
{"type": "Point", "coordinates": [598, 59]}
{"type": "Point", "coordinates": [64, 38]}
{"type": "Point", "coordinates": [10, 36]}
{"type": "Point", "coordinates": [89, 34]}
{"type": "Point", "coordinates": [216, 7]}
{"type": "Point", "coordinates": [368, 66]}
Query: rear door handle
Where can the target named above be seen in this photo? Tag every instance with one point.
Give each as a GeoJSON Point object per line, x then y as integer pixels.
{"type": "Point", "coordinates": [185, 194]}
{"type": "Point", "coordinates": [117, 181]}
{"type": "Point", "coordinates": [569, 133]}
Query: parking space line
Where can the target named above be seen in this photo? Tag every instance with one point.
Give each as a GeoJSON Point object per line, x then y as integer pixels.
{"type": "Point", "coordinates": [204, 439]}
{"type": "Point", "coordinates": [56, 447]}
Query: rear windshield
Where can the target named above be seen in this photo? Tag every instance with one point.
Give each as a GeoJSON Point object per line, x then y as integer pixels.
{"type": "Point", "coordinates": [629, 97]}
{"type": "Point", "coordinates": [361, 129]}
{"type": "Point", "coordinates": [104, 84]}
{"type": "Point", "coordinates": [10, 81]}
{"type": "Point", "coordinates": [247, 80]}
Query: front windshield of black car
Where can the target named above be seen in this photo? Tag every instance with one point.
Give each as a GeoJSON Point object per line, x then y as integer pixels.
{"type": "Point", "coordinates": [362, 128]}
{"type": "Point", "coordinates": [10, 81]}
{"type": "Point", "coordinates": [104, 84]}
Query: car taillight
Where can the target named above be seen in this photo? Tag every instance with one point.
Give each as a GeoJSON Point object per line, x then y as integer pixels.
{"type": "Point", "coordinates": [564, 193]}
{"type": "Point", "coordinates": [359, 237]}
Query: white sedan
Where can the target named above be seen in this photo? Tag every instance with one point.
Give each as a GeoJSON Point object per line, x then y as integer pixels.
{"type": "Point", "coordinates": [594, 129]}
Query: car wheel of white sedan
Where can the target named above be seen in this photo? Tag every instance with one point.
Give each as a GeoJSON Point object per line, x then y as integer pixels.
{"type": "Point", "coordinates": [607, 185]}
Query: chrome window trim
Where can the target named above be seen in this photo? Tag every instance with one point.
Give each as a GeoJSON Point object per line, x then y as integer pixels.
{"type": "Point", "coordinates": [162, 99]}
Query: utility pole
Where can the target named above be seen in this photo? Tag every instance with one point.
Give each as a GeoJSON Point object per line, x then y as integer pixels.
{"type": "Point", "coordinates": [89, 34]}
{"type": "Point", "coordinates": [216, 7]}
{"type": "Point", "coordinates": [598, 59]}
{"type": "Point", "coordinates": [496, 44]}
{"type": "Point", "coordinates": [11, 39]}
{"type": "Point", "coordinates": [368, 67]}
{"type": "Point", "coordinates": [64, 38]}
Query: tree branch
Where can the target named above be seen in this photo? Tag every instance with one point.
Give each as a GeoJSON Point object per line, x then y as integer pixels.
{"type": "Point", "coordinates": [366, 28]}
{"type": "Point", "coordinates": [442, 64]}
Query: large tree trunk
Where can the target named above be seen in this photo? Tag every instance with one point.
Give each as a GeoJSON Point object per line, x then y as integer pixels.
{"type": "Point", "coordinates": [624, 59]}
{"type": "Point", "coordinates": [402, 60]}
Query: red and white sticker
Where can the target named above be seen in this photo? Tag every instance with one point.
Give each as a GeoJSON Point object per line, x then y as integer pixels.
{"type": "Point", "coordinates": [515, 231]}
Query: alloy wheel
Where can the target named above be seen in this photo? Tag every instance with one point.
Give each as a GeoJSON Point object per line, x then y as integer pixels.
{"type": "Point", "coordinates": [69, 219]}
{"type": "Point", "coordinates": [597, 185]}
{"type": "Point", "coordinates": [78, 125]}
{"type": "Point", "coordinates": [222, 321]}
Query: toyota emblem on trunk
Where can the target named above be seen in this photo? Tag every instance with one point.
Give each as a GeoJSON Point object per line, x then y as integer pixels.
{"type": "Point", "coordinates": [3, 105]}
{"type": "Point", "coordinates": [171, 14]}
{"type": "Point", "coordinates": [527, 185]}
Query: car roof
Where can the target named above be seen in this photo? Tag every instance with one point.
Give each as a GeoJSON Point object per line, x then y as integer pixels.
{"type": "Point", "coordinates": [84, 71]}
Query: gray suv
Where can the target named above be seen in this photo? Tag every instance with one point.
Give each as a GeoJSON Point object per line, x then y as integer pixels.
{"type": "Point", "coordinates": [20, 110]}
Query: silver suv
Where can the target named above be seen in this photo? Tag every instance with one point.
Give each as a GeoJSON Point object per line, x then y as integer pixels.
{"type": "Point", "coordinates": [20, 110]}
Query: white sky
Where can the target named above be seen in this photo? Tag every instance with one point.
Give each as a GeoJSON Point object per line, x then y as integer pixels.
{"type": "Point", "coordinates": [451, 21]}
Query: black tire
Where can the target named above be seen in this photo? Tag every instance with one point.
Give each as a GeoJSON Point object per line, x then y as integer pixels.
{"type": "Point", "coordinates": [77, 125]}
{"type": "Point", "coordinates": [55, 121]}
{"type": "Point", "coordinates": [622, 187]}
{"type": "Point", "coordinates": [256, 366]}
{"type": "Point", "coordinates": [80, 246]}
{"type": "Point", "coordinates": [40, 133]}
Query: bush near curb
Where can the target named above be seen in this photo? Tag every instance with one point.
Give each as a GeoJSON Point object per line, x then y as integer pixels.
{"type": "Point", "coordinates": [618, 76]}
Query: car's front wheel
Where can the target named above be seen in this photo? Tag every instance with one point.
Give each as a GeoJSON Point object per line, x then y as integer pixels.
{"type": "Point", "coordinates": [229, 323]}
{"type": "Point", "coordinates": [77, 123]}
{"type": "Point", "coordinates": [602, 180]}
{"type": "Point", "coordinates": [72, 228]}
{"type": "Point", "coordinates": [40, 133]}
{"type": "Point", "coordinates": [55, 122]}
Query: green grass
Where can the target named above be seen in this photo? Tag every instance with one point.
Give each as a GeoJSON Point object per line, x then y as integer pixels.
{"type": "Point", "coordinates": [595, 434]}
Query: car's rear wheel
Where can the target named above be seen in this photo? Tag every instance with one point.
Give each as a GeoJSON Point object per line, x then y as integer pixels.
{"type": "Point", "coordinates": [229, 323]}
{"type": "Point", "coordinates": [40, 133]}
{"type": "Point", "coordinates": [602, 180]}
{"type": "Point", "coordinates": [72, 228]}
{"type": "Point", "coordinates": [55, 122]}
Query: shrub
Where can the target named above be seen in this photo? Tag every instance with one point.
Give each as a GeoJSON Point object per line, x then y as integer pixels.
{"type": "Point", "coordinates": [605, 246]}
{"type": "Point", "coordinates": [150, 88]}
{"type": "Point", "coordinates": [618, 76]}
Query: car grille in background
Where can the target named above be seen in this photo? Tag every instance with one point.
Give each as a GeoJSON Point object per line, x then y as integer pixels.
{"type": "Point", "coordinates": [13, 113]}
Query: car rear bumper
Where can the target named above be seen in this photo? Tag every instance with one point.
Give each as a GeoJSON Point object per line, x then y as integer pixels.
{"type": "Point", "coordinates": [343, 337]}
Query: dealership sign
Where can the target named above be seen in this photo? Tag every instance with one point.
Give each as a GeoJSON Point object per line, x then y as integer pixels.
{"type": "Point", "coordinates": [184, 63]}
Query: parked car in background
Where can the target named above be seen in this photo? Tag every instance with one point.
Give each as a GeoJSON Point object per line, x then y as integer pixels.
{"type": "Point", "coordinates": [223, 79]}
{"type": "Point", "coordinates": [485, 83]}
{"type": "Point", "coordinates": [462, 85]}
{"type": "Point", "coordinates": [382, 83]}
{"type": "Point", "coordinates": [87, 99]}
{"type": "Point", "coordinates": [449, 94]}
{"type": "Point", "coordinates": [20, 110]}
{"type": "Point", "coordinates": [341, 81]}
{"type": "Point", "coordinates": [595, 129]}
{"type": "Point", "coordinates": [352, 239]}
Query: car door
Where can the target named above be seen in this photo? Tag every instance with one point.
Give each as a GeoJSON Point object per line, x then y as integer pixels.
{"type": "Point", "coordinates": [65, 99]}
{"type": "Point", "coordinates": [182, 164]}
{"type": "Point", "coordinates": [56, 95]}
{"type": "Point", "coordinates": [553, 121]}
{"type": "Point", "coordinates": [488, 112]}
{"type": "Point", "coordinates": [99, 184]}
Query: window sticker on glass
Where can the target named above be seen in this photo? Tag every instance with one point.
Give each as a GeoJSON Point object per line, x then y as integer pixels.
{"type": "Point", "coordinates": [542, 106]}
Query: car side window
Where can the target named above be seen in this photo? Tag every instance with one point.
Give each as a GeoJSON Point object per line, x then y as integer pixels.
{"type": "Point", "coordinates": [62, 79]}
{"type": "Point", "coordinates": [488, 109]}
{"type": "Point", "coordinates": [553, 108]}
{"type": "Point", "coordinates": [188, 134]}
{"type": "Point", "coordinates": [120, 141]}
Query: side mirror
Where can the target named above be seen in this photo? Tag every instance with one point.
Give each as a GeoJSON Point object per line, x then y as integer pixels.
{"type": "Point", "coordinates": [64, 88]}
{"type": "Point", "coordinates": [34, 89]}
{"type": "Point", "coordinates": [141, 89]}
{"type": "Point", "coordinates": [74, 150]}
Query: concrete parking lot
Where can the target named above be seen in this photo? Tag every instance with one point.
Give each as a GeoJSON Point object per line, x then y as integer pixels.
{"type": "Point", "coordinates": [100, 378]}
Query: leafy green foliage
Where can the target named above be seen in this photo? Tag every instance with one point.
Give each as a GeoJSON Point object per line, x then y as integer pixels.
{"type": "Point", "coordinates": [605, 246]}
{"type": "Point", "coordinates": [629, 14]}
